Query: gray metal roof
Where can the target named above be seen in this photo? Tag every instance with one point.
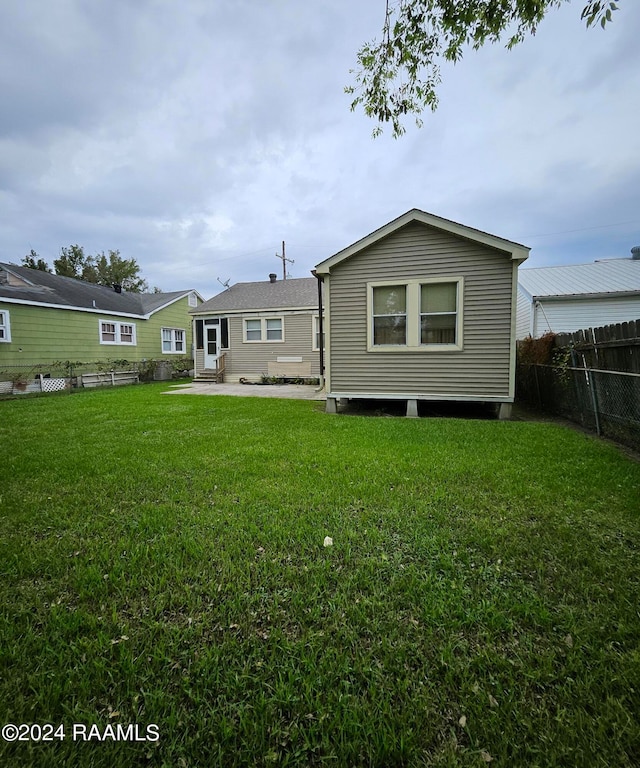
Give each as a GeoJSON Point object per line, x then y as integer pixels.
{"type": "Point", "coordinates": [610, 276]}
{"type": "Point", "coordinates": [45, 288]}
{"type": "Point", "coordinates": [300, 292]}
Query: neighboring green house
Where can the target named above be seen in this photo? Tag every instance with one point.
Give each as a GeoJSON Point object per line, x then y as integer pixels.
{"type": "Point", "coordinates": [46, 318]}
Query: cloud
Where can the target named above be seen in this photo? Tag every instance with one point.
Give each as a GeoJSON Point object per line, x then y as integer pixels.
{"type": "Point", "coordinates": [196, 137]}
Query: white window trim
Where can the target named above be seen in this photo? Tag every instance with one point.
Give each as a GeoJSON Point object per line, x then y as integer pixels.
{"type": "Point", "coordinates": [6, 325]}
{"type": "Point", "coordinates": [263, 330]}
{"type": "Point", "coordinates": [192, 300]}
{"type": "Point", "coordinates": [173, 350]}
{"type": "Point", "coordinates": [413, 316]}
{"type": "Point", "coordinates": [118, 331]}
{"type": "Point", "coordinates": [316, 332]}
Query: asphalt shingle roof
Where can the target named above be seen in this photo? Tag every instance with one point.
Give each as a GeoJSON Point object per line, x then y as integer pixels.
{"type": "Point", "coordinates": [612, 276]}
{"type": "Point", "coordinates": [45, 288]}
{"type": "Point", "coordinates": [300, 292]}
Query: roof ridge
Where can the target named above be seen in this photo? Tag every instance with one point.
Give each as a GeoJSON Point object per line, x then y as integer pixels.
{"type": "Point", "coordinates": [623, 259]}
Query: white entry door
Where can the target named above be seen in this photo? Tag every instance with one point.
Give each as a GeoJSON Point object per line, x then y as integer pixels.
{"type": "Point", "coordinates": [211, 346]}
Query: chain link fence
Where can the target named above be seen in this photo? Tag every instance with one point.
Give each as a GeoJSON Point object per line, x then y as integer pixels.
{"type": "Point", "coordinates": [30, 377]}
{"type": "Point", "coordinates": [606, 402]}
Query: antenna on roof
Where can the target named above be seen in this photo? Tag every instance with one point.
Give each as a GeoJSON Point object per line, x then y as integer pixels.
{"type": "Point", "coordinates": [225, 284]}
{"type": "Point", "coordinates": [284, 260]}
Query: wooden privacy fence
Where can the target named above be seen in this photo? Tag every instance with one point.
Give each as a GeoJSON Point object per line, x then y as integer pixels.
{"type": "Point", "coordinates": [609, 348]}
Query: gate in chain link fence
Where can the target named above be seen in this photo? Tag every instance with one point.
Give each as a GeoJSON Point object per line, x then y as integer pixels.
{"type": "Point", "coordinates": [607, 402]}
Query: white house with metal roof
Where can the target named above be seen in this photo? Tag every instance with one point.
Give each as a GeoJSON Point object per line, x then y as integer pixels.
{"type": "Point", "coordinates": [568, 298]}
{"type": "Point", "coordinates": [250, 331]}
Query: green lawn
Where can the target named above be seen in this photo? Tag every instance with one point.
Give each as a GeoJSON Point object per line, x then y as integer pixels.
{"type": "Point", "coordinates": [162, 562]}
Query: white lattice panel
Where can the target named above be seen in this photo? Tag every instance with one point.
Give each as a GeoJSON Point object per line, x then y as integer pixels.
{"type": "Point", "coordinates": [53, 385]}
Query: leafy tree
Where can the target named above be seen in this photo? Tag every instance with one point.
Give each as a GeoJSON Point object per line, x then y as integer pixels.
{"type": "Point", "coordinates": [73, 263]}
{"type": "Point", "coordinates": [114, 270]}
{"type": "Point", "coordinates": [103, 269]}
{"type": "Point", "coordinates": [33, 261]}
{"type": "Point", "coordinates": [399, 75]}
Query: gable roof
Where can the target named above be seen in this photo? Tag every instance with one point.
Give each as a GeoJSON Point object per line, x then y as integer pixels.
{"type": "Point", "coordinates": [294, 293]}
{"type": "Point", "coordinates": [615, 276]}
{"type": "Point", "coordinates": [516, 251]}
{"type": "Point", "coordinates": [32, 286]}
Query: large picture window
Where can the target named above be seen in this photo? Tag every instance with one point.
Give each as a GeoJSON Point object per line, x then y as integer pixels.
{"type": "Point", "coordinates": [112, 332]}
{"type": "Point", "coordinates": [257, 329]}
{"type": "Point", "coordinates": [416, 315]}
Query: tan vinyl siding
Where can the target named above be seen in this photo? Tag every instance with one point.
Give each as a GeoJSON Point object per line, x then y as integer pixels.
{"type": "Point", "coordinates": [418, 252]}
{"type": "Point", "coordinates": [251, 360]}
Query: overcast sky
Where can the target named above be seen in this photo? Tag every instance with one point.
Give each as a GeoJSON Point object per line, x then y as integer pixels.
{"type": "Point", "coordinates": [196, 136]}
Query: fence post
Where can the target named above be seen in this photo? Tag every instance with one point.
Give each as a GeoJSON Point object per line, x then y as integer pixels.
{"type": "Point", "coordinates": [594, 398]}
{"type": "Point", "coordinates": [535, 376]}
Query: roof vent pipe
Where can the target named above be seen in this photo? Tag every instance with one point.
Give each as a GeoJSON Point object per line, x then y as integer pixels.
{"type": "Point", "coordinates": [117, 287]}
{"type": "Point", "coordinates": [635, 253]}
{"type": "Point", "coordinates": [273, 277]}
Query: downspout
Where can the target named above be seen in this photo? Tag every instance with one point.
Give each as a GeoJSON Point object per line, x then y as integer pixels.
{"type": "Point", "coordinates": [193, 347]}
{"type": "Point", "coordinates": [320, 327]}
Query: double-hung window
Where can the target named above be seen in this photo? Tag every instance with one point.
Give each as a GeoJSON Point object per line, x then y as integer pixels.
{"type": "Point", "coordinates": [389, 315]}
{"type": "Point", "coordinates": [5, 327]}
{"type": "Point", "coordinates": [173, 341]}
{"type": "Point", "coordinates": [438, 313]}
{"type": "Point", "coordinates": [263, 329]}
{"type": "Point", "coordinates": [253, 330]}
{"type": "Point", "coordinates": [416, 315]}
{"type": "Point", "coordinates": [112, 332]}
{"type": "Point", "coordinates": [316, 333]}
{"type": "Point", "coordinates": [126, 333]}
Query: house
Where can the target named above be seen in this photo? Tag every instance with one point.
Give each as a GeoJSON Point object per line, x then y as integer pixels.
{"type": "Point", "coordinates": [46, 318]}
{"type": "Point", "coordinates": [422, 309]}
{"type": "Point", "coordinates": [572, 297]}
{"type": "Point", "coordinates": [261, 329]}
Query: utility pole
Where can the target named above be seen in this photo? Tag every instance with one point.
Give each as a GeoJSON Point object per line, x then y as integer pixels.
{"type": "Point", "coordinates": [284, 260]}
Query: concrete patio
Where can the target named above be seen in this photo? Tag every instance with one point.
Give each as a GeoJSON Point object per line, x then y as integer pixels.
{"type": "Point", "coordinates": [287, 391]}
